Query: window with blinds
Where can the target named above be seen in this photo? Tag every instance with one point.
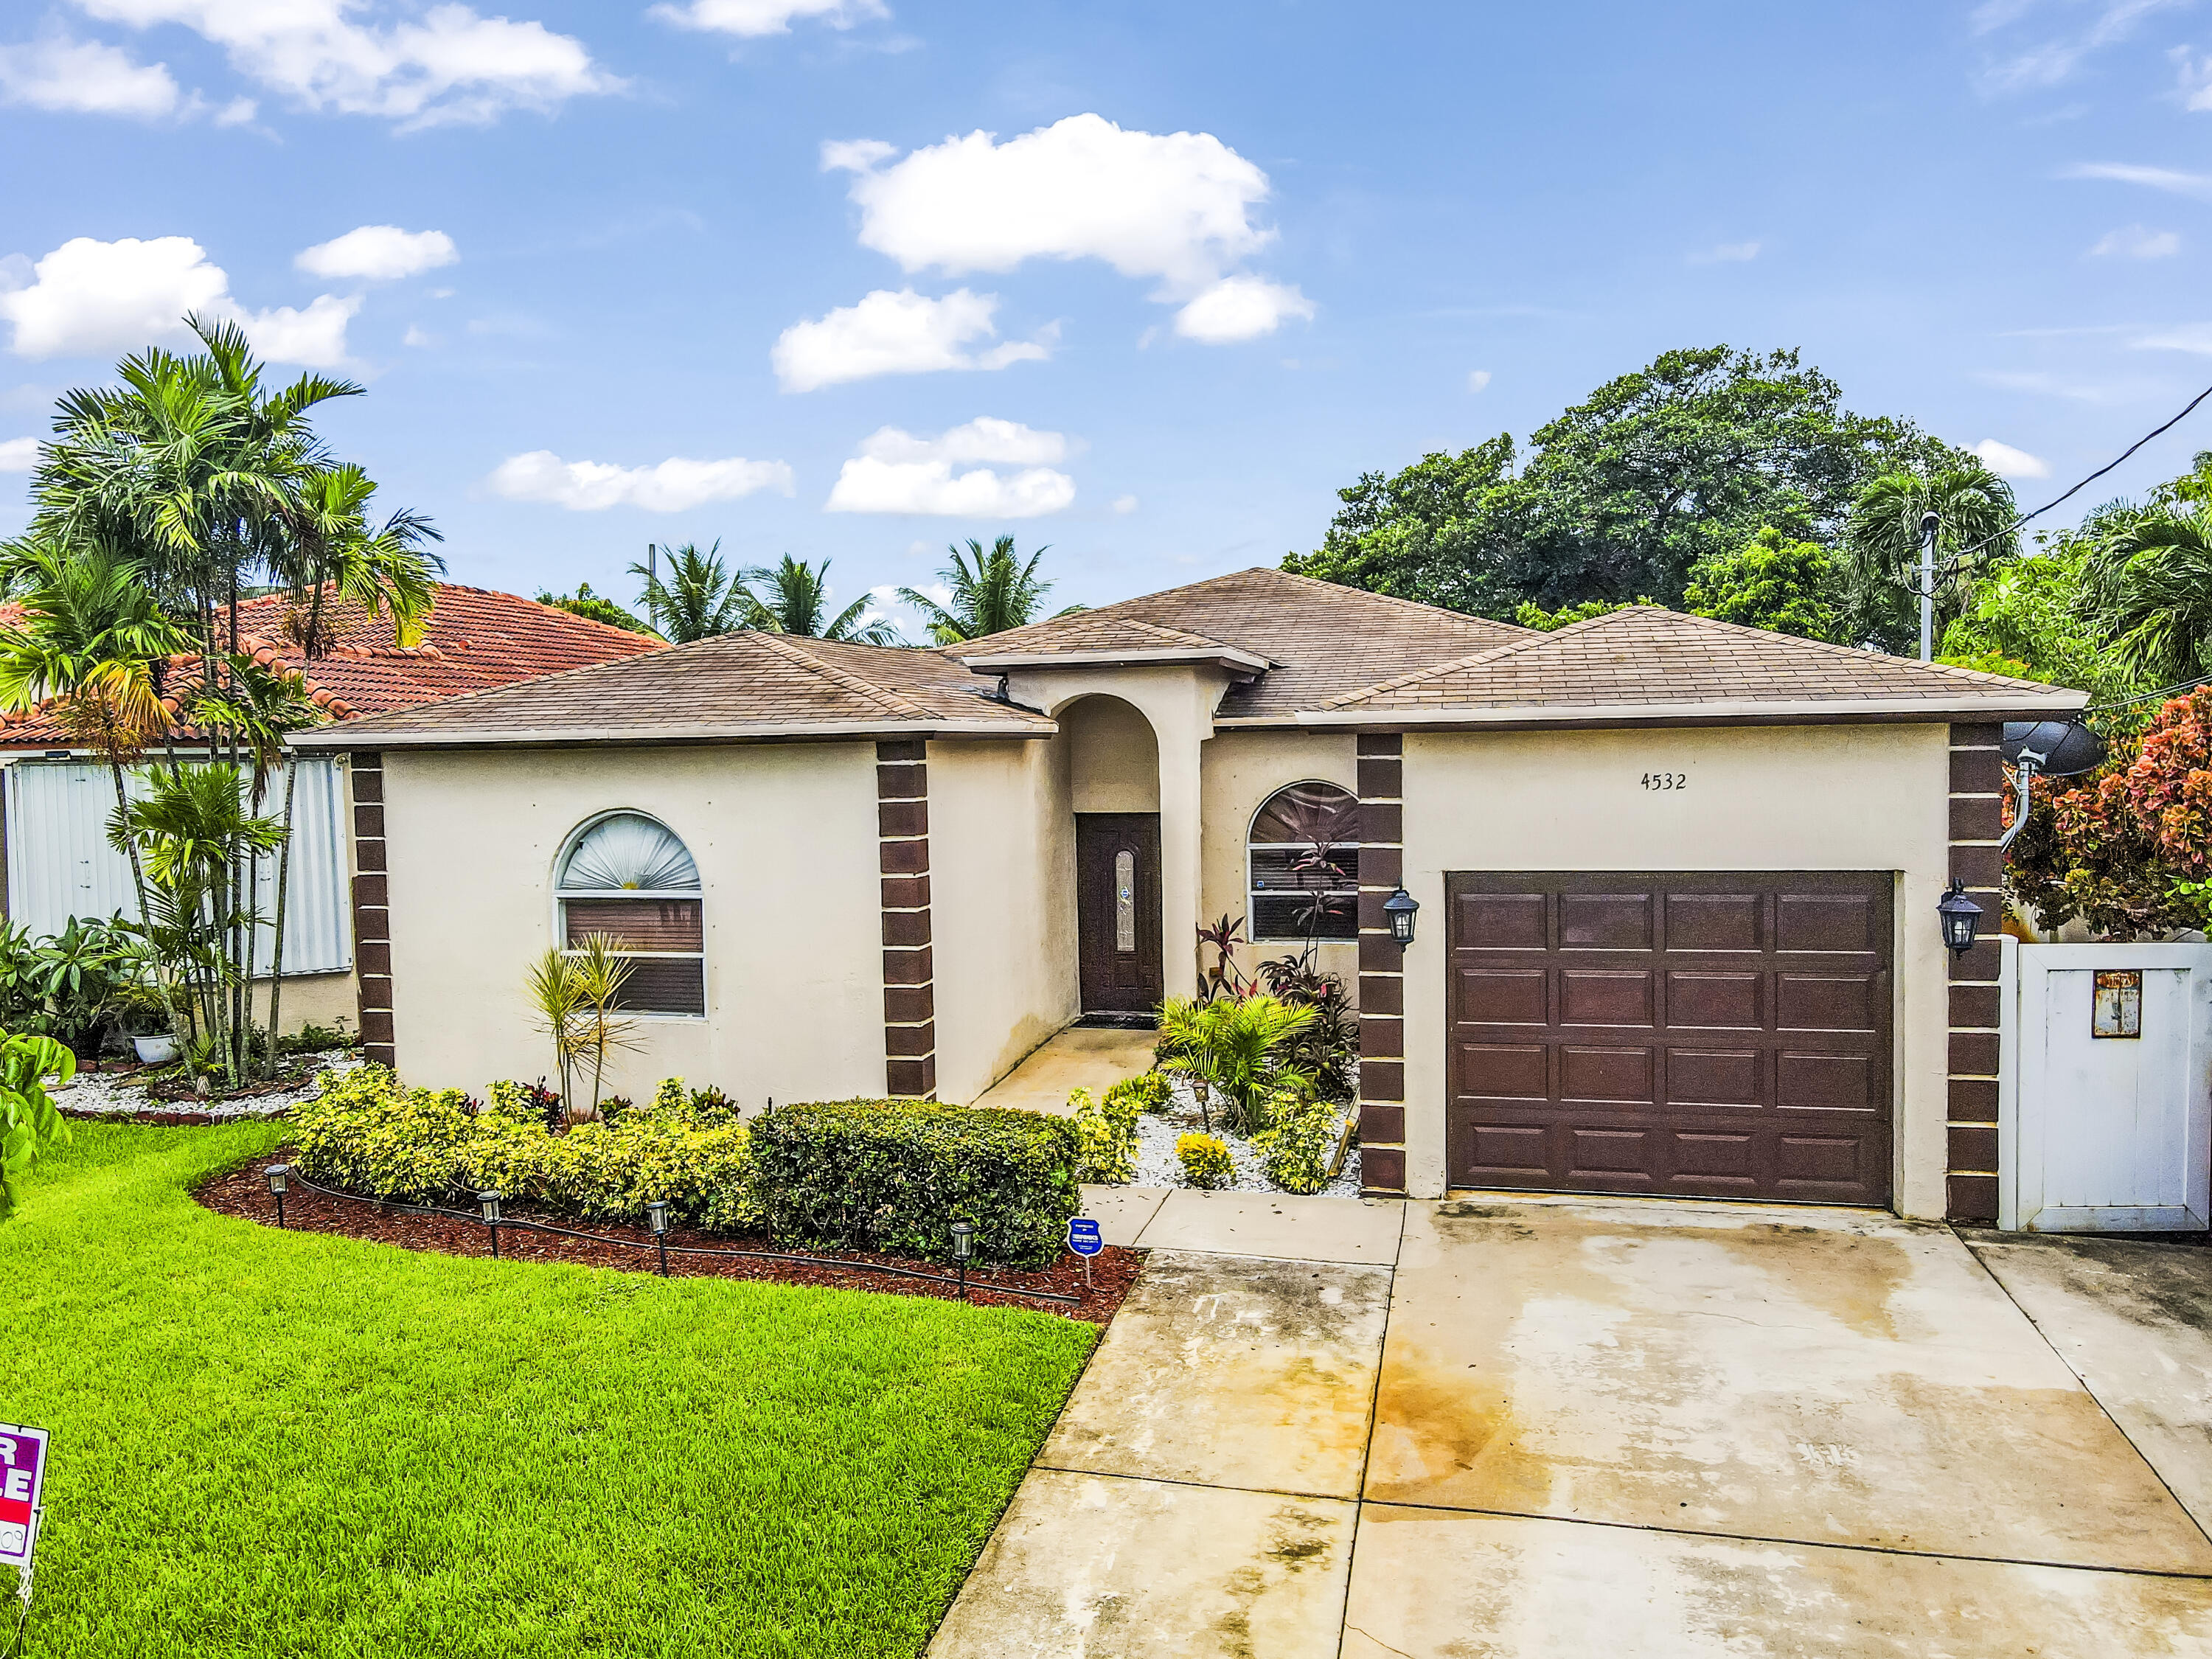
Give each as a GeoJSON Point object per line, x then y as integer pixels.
{"type": "Point", "coordinates": [629, 878]}
{"type": "Point", "coordinates": [1303, 864]}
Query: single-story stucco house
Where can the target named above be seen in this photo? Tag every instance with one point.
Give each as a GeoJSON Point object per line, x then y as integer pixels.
{"type": "Point", "coordinates": [1677, 879]}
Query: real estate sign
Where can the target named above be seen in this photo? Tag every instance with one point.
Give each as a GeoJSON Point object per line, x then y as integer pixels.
{"type": "Point", "coordinates": [22, 1473]}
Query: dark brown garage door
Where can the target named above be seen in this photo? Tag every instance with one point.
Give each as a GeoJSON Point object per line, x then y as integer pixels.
{"type": "Point", "coordinates": [1709, 1036]}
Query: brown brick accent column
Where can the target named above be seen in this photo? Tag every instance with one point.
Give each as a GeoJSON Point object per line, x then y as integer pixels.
{"type": "Point", "coordinates": [1977, 821]}
{"type": "Point", "coordinates": [1381, 967]}
{"type": "Point", "coordinates": [371, 912]}
{"type": "Point", "coordinates": [909, 991]}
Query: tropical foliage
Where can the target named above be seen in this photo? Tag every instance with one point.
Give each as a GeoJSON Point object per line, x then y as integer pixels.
{"type": "Point", "coordinates": [28, 1121]}
{"type": "Point", "coordinates": [701, 597]}
{"type": "Point", "coordinates": [987, 590]}
{"type": "Point", "coordinates": [594, 607]}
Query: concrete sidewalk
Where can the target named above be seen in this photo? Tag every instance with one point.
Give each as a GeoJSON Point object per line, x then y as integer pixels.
{"type": "Point", "coordinates": [1570, 1427]}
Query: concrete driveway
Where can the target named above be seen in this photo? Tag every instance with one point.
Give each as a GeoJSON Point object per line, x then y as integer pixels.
{"type": "Point", "coordinates": [1572, 1427]}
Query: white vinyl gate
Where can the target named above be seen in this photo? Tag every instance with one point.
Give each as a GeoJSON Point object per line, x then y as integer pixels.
{"type": "Point", "coordinates": [2104, 1097]}
{"type": "Point", "coordinates": [59, 863]}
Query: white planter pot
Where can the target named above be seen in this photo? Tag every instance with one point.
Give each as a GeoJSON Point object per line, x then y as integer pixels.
{"type": "Point", "coordinates": [155, 1050]}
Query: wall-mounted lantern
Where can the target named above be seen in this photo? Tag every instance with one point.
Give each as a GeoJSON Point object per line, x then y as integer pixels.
{"type": "Point", "coordinates": [1960, 916]}
{"type": "Point", "coordinates": [1399, 910]}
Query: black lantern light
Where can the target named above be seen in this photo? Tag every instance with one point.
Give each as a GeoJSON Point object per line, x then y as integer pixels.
{"type": "Point", "coordinates": [280, 1182]}
{"type": "Point", "coordinates": [963, 1246]}
{"type": "Point", "coordinates": [656, 1217]}
{"type": "Point", "coordinates": [1399, 910]}
{"type": "Point", "coordinates": [488, 1205]}
{"type": "Point", "coordinates": [1960, 916]}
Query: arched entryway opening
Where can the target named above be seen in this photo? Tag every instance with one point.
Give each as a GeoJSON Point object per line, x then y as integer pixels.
{"type": "Point", "coordinates": [1113, 787]}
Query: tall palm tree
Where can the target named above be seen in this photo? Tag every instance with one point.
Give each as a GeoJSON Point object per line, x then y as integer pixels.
{"type": "Point", "coordinates": [990, 592]}
{"type": "Point", "coordinates": [793, 597]}
{"type": "Point", "coordinates": [2149, 585]}
{"type": "Point", "coordinates": [1975, 513]}
{"type": "Point", "coordinates": [698, 598]}
{"type": "Point", "coordinates": [332, 550]}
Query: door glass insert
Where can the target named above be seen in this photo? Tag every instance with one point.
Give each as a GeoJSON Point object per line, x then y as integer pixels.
{"type": "Point", "coordinates": [1124, 902]}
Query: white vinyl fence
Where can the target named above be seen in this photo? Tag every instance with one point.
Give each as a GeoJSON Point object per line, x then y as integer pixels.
{"type": "Point", "coordinates": [2105, 1102]}
{"type": "Point", "coordinates": [59, 863]}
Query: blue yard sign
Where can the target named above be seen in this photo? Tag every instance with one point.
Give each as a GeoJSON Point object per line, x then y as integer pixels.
{"type": "Point", "coordinates": [1083, 1236]}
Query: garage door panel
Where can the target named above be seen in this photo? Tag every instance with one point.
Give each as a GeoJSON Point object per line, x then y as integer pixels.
{"type": "Point", "coordinates": [1705, 1035]}
{"type": "Point", "coordinates": [1606, 921]}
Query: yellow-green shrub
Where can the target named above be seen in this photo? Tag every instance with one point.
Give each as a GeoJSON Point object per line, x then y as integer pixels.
{"type": "Point", "coordinates": [1205, 1161]}
{"type": "Point", "coordinates": [1150, 1091]}
{"type": "Point", "coordinates": [1105, 1137]}
{"type": "Point", "coordinates": [368, 1133]}
{"type": "Point", "coordinates": [1296, 1146]}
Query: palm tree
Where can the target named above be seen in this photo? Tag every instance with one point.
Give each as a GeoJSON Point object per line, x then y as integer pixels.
{"type": "Point", "coordinates": [699, 598]}
{"type": "Point", "coordinates": [994, 593]}
{"type": "Point", "coordinates": [2148, 584]}
{"type": "Point", "coordinates": [1975, 520]}
{"type": "Point", "coordinates": [332, 551]}
{"type": "Point", "coordinates": [797, 595]}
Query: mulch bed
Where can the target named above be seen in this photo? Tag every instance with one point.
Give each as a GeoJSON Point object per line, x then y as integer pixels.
{"type": "Point", "coordinates": [245, 1193]}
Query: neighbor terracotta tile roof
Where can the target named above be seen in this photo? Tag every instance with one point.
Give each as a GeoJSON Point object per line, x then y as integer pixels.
{"type": "Point", "coordinates": [736, 684]}
{"type": "Point", "coordinates": [474, 639]}
{"type": "Point", "coordinates": [1647, 656]}
{"type": "Point", "coordinates": [1323, 640]}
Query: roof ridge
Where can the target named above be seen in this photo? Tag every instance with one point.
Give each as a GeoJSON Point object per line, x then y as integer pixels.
{"type": "Point", "coordinates": [1388, 598]}
{"type": "Point", "coordinates": [1413, 676]}
{"type": "Point", "coordinates": [1947, 669]}
{"type": "Point", "coordinates": [881, 694]}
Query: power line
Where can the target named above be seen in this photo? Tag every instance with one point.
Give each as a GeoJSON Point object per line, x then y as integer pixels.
{"type": "Point", "coordinates": [2147, 696]}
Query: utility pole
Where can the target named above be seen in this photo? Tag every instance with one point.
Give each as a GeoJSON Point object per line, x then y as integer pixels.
{"type": "Point", "coordinates": [653, 584]}
{"type": "Point", "coordinates": [1929, 522]}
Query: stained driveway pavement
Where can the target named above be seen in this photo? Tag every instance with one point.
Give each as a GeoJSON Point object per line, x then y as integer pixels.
{"type": "Point", "coordinates": [1569, 1427]}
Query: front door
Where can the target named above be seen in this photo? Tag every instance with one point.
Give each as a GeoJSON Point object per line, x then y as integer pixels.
{"type": "Point", "coordinates": [1117, 911]}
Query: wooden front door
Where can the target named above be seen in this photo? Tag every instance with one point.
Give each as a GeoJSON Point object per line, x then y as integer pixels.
{"type": "Point", "coordinates": [1117, 911]}
{"type": "Point", "coordinates": [1694, 1035]}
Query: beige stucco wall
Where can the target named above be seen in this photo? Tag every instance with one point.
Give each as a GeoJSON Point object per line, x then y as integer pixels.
{"type": "Point", "coordinates": [1113, 760]}
{"type": "Point", "coordinates": [785, 838]}
{"type": "Point", "coordinates": [1789, 797]}
{"type": "Point", "coordinates": [1002, 906]}
{"type": "Point", "coordinates": [1239, 770]}
{"type": "Point", "coordinates": [327, 999]}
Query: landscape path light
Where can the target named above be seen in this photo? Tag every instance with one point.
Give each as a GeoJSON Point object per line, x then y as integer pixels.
{"type": "Point", "coordinates": [656, 1217]}
{"type": "Point", "coordinates": [963, 1246]}
{"type": "Point", "coordinates": [488, 1204]}
{"type": "Point", "coordinates": [280, 1182]}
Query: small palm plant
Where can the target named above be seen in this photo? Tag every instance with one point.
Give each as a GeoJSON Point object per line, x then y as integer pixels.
{"type": "Point", "coordinates": [1237, 1049]}
{"type": "Point", "coordinates": [575, 994]}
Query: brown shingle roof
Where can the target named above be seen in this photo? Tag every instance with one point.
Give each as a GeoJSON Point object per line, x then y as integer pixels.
{"type": "Point", "coordinates": [1323, 640]}
{"type": "Point", "coordinates": [1645, 657]}
{"type": "Point", "coordinates": [735, 686]}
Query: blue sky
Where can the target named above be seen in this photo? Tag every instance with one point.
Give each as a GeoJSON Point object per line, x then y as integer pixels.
{"type": "Point", "coordinates": [1149, 282]}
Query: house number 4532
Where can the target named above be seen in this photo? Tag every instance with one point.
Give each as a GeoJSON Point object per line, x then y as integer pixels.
{"type": "Point", "coordinates": [1666, 779]}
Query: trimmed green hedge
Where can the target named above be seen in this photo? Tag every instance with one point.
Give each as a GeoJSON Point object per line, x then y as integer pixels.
{"type": "Point", "coordinates": [894, 1175]}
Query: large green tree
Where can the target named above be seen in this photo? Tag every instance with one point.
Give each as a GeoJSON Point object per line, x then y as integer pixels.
{"type": "Point", "coordinates": [1624, 493]}
{"type": "Point", "coordinates": [1772, 582]}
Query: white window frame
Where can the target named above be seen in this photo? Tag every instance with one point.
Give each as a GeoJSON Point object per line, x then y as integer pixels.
{"type": "Point", "coordinates": [1253, 889]}
{"type": "Point", "coordinates": [697, 896]}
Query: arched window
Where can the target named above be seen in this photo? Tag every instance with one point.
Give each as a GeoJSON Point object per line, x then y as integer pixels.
{"type": "Point", "coordinates": [629, 878]}
{"type": "Point", "coordinates": [1304, 865]}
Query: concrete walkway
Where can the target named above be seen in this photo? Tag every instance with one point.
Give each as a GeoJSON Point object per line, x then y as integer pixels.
{"type": "Point", "coordinates": [1323, 1429]}
{"type": "Point", "coordinates": [1077, 1058]}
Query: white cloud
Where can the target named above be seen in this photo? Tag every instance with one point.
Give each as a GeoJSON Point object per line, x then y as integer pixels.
{"type": "Point", "coordinates": [86, 77]}
{"type": "Point", "coordinates": [2047, 63]}
{"type": "Point", "coordinates": [90, 298]}
{"type": "Point", "coordinates": [1125, 505]}
{"type": "Point", "coordinates": [1726, 253]}
{"type": "Point", "coordinates": [753, 18]}
{"type": "Point", "coordinates": [1240, 309]}
{"type": "Point", "coordinates": [674, 486]}
{"type": "Point", "coordinates": [18, 454]}
{"type": "Point", "coordinates": [1176, 208]}
{"type": "Point", "coordinates": [2188, 337]}
{"type": "Point", "coordinates": [415, 337]}
{"type": "Point", "coordinates": [445, 64]}
{"type": "Point", "coordinates": [898, 472]}
{"type": "Point", "coordinates": [1477, 379]}
{"type": "Point", "coordinates": [379, 253]}
{"type": "Point", "coordinates": [901, 333]}
{"type": "Point", "coordinates": [2196, 185]}
{"type": "Point", "coordinates": [2138, 242]}
{"type": "Point", "coordinates": [2009, 463]}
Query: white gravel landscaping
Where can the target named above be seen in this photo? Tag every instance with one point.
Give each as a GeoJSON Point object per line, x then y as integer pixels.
{"type": "Point", "coordinates": [123, 1094]}
{"type": "Point", "coordinates": [1157, 1165]}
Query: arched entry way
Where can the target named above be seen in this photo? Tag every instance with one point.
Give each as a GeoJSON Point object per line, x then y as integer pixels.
{"type": "Point", "coordinates": [1114, 785]}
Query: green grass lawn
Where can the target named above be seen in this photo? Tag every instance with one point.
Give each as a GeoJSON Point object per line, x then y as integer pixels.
{"type": "Point", "coordinates": [278, 1444]}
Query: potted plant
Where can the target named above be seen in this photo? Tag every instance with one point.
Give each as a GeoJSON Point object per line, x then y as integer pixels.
{"type": "Point", "coordinates": [145, 1001]}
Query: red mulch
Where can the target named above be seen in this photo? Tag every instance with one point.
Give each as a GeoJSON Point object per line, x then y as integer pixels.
{"type": "Point", "coordinates": [245, 1193]}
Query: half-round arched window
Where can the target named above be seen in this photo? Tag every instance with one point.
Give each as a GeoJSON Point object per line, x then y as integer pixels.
{"type": "Point", "coordinates": [1304, 865]}
{"type": "Point", "coordinates": [629, 878]}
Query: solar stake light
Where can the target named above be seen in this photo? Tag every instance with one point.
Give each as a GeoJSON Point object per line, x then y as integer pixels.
{"type": "Point", "coordinates": [487, 1204]}
{"type": "Point", "coordinates": [1399, 910]}
{"type": "Point", "coordinates": [280, 1182]}
{"type": "Point", "coordinates": [1960, 916]}
{"type": "Point", "coordinates": [963, 1246]}
{"type": "Point", "coordinates": [656, 1217]}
